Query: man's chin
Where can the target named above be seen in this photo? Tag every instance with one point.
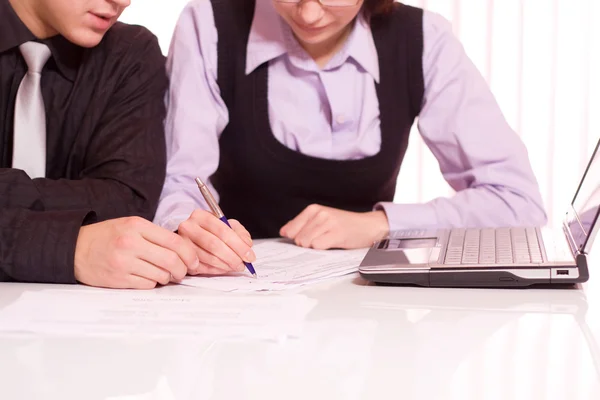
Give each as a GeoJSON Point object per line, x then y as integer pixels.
{"type": "Point", "coordinates": [87, 38]}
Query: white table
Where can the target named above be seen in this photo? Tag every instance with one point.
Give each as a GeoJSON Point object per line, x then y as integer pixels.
{"type": "Point", "coordinates": [361, 342]}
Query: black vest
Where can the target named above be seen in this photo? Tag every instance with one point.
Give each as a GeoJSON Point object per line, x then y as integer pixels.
{"type": "Point", "coordinates": [264, 184]}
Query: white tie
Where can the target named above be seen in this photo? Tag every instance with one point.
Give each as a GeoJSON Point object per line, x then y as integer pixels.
{"type": "Point", "coordinates": [29, 139]}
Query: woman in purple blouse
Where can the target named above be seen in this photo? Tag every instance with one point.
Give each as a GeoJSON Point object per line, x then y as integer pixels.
{"type": "Point", "coordinates": [297, 114]}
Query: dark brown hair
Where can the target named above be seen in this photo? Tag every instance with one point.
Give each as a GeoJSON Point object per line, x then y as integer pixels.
{"type": "Point", "coordinates": [378, 7]}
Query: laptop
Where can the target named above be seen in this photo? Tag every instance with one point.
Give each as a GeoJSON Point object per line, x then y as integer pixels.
{"type": "Point", "coordinates": [494, 257]}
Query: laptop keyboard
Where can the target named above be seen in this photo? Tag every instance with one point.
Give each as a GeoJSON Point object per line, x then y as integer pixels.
{"type": "Point", "coordinates": [493, 246]}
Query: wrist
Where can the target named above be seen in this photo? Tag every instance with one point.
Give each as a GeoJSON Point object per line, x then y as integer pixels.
{"type": "Point", "coordinates": [81, 251]}
{"type": "Point", "coordinates": [380, 224]}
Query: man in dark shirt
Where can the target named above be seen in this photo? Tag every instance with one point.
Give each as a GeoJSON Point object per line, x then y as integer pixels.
{"type": "Point", "coordinates": [75, 200]}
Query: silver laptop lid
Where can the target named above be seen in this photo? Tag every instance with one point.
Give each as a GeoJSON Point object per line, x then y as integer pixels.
{"type": "Point", "coordinates": [581, 219]}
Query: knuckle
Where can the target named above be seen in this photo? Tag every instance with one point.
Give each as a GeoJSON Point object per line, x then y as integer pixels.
{"type": "Point", "coordinates": [205, 259]}
{"type": "Point", "coordinates": [230, 241]}
{"type": "Point", "coordinates": [181, 272]}
{"type": "Point", "coordinates": [191, 256]}
{"type": "Point", "coordinates": [223, 231]}
{"type": "Point", "coordinates": [174, 240]}
{"type": "Point", "coordinates": [114, 262]}
{"type": "Point", "coordinates": [218, 261]}
{"type": "Point", "coordinates": [214, 262]}
{"type": "Point", "coordinates": [148, 284]}
{"type": "Point", "coordinates": [191, 259]}
{"type": "Point", "coordinates": [211, 261]}
{"type": "Point", "coordinates": [300, 239]}
{"type": "Point", "coordinates": [323, 214]}
{"type": "Point", "coordinates": [124, 242]}
{"type": "Point", "coordinates": [165, 278]}
{"type": "Point", "coordinates": [319, 246]}
{"type": "Point", "coordinates": [186, 259]}
{"type": "Point", "coordinates": [320, 243]}
{"type": "Point", "coordinates": [199, 215]}
{"type": "Point", "coordinates": [213, 243]}
{"type": "Point", "coordinates": [184, 227]}
{"type": "Point", "coordinates": [171, 260]}
{"type": "Point", "coordinates": [135, 222]}
{"type": "Point", "coordinates": [313, 207]}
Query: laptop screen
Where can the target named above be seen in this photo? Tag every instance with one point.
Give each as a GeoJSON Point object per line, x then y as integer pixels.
{"type": "Point", "coordinates": [586, 203]}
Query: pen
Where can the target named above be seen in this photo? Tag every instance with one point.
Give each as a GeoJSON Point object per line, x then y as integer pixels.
{"type": "Point", "coordinates": [216, 210]}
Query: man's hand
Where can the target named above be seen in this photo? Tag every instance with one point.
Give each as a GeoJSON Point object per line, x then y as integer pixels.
{"type": "Point", "coordinates": [131, 253]}
{"type": "Point", "coordinates": [321, 227]}
{"type": "Point", "coordinates": [220, 249]}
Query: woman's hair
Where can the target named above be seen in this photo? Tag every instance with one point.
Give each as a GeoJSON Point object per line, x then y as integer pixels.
{"type": "Point", "coordinates": [377, 7]}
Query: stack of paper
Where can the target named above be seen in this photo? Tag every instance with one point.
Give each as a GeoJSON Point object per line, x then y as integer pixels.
{"type": "Point", "coordinates": [281, 265]}
{"type": "Point", "coordinates": [110, 313]}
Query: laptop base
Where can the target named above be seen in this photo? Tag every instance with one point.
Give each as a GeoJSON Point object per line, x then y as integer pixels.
{"type": "Point", "coordinates": [475, 279]}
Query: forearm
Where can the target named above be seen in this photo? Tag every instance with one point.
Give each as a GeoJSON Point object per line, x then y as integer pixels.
{"type": "Point", "coordinates": [107, 197]}
{"type": "Point", "coordinates": [482, 206]}
{"type": "Point", "coordinates": [39, 246]}
{"type": "Point", "coordinates": [479, 154]}
{"type": "Point", "coordinates": [196, 115]}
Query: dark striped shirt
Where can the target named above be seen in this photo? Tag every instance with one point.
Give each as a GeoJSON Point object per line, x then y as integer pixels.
{"type": "Point", "coordinates": [105, 145]}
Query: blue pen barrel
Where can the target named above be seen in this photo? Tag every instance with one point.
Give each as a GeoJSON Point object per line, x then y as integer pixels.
{"type": "Point", "coordinates": [224, 219]}
{"type": "Point", "coordinates": [249, 266]}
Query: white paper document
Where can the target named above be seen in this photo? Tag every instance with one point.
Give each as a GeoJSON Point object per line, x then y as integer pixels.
{"type": "Point", "coordinates": [281, 265]}
{"type": "Point", "coordinates": [110, 313]}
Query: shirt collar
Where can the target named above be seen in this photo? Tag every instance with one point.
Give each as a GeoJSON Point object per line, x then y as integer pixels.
{"type": "Point", "coordinates": [269, 39]}
{"type": "Point", "coordinates": [266, 41]}
{"type": "Point", "coordinates": [13, 33]}
{"type": "Point", "coordinates": [66, 55]}
{"type": "Point", "coordinates": [361, 47]}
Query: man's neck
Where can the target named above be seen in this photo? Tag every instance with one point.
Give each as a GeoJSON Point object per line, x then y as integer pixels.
{"type": "Point", "coordinates": [26, 12]}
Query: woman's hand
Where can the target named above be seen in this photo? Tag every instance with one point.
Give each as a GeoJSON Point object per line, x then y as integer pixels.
{"type": "Point", "coordinates": [321, 227]}
{"type": "Point", "coordinates": [220, 249]}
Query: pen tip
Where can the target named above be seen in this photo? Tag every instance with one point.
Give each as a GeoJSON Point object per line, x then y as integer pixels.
{"type": "Point", "coordinates": [199, 182]}
{"type": "Point", "coordinates": [255, 276]}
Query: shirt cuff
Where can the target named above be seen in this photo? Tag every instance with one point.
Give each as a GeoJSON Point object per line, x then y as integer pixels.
{"type": "Point", "coordinates": [409, 216]}
{"type": "Point", "coordinates": [44, 249]}
{"type": "Point", "coordinates": [171, 217]}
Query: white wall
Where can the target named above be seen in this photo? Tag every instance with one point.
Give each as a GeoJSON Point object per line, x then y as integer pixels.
{"type": "Point", "coordinates": [160, 16]}
{"type": "Point", "coordinates": [537, 56]}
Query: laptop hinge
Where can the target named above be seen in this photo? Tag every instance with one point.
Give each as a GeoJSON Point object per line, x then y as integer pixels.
{"type": "Point", "coordinates": [570, 240]}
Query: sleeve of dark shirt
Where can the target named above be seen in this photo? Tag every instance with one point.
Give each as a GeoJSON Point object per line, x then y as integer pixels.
{"type": "Point", "coordinates": [123, 176]}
